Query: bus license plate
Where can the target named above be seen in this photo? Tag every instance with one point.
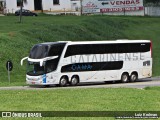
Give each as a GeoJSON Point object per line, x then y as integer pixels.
{"type": "Point", "coordinates": [33, 82]}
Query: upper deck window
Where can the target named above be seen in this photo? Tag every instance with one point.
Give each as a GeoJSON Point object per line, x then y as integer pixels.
{"type": "Point", "coordinates": [39, 51]}
{"type": "Point", "coordinates": [82, 49]}
{"type": "Point", "coordinates": [46, 50]}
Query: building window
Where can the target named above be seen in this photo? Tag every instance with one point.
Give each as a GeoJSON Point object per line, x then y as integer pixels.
{"type": "Point", "coordinates": [55, 2]}
{"type": "Point", "coordinates": [19, 3]}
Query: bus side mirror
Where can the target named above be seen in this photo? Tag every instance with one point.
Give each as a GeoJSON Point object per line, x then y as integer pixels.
{"type": "Point", "coordinates": [23, 60]}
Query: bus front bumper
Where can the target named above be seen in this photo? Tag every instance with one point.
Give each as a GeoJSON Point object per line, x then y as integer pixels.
{"type": "Point", "coordinates": [38, 82]}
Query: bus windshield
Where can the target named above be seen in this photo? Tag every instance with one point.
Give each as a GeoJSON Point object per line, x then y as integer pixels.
{"type": "Point", "coordinates": [44, 51]}
{"type": "Point", "coordinates": [34, 69]}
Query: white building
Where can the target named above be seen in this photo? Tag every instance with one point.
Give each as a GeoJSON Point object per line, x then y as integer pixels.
{"type": "Point", "coordinates": [47, 5]}
{"type": "Point", "coordinates": [109, 7]}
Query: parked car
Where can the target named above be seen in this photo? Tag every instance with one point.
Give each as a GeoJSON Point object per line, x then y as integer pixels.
{"type": "Point", "coordinates": [25, 13]}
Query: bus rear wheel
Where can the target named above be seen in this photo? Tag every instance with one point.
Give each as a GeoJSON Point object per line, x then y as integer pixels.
{"type": "Point", "coordinates": [124, 78]}
{"type": "Point", "coordinates": [63, 82]}
{"type": "Point", "coordinates": [74, 81]}
{"type": "Point", "coordinates": [133, 77]}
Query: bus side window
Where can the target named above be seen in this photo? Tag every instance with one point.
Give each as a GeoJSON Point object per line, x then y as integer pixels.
{"type": "Point", "coordinates": [146, 63]}
{"type": "Point", "coordinates": [51, 65]}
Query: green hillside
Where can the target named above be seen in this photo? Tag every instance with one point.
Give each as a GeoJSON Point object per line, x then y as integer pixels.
{"type": "Point", "coordinates": [17, 39]}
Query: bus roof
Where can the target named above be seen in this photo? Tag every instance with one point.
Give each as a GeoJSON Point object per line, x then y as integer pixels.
{"type": "Point", "coordinates": [95, 42]}
{"type": "Point", "coordinates": [109, 41]}
{"type": "Point", "coordinates": [51, 43]}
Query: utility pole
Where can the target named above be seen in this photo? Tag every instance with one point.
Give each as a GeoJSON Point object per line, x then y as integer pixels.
{"type": "Point", "coordinates": [41, 6]}
{"type": "Point", "coordinates": [81, 8]}
{"type": "Point", "coordinates": [20, 15]}
{"type": "Point", "coordinates": [124, 7]}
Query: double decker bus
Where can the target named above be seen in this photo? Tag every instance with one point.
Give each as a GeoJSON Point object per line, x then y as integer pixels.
{"type": "Point", "coordinates": [70, 63]}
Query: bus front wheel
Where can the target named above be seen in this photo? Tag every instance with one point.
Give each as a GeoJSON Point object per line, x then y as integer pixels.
{"type": "Point", "coordinates": [124, 78]}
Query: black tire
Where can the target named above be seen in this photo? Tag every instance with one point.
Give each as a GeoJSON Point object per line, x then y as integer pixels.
{"type": "Point", "coordinates": [74, 81]}
{"type": "Point", "coordinates": [133, 77]}
{"type": "Point", "coordinates": [124, 78]}
{"type": "Point", "coordinates": [63, 82]}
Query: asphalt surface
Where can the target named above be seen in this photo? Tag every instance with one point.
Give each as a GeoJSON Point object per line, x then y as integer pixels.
{"type": "Point", "coordinates": [140, 84]}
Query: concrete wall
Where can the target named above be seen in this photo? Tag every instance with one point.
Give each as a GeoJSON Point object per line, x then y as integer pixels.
{"type": "Point", "coordinates": [152, 11]}
{"type": "Point", "coordinates": [11, 5]}
{"type": "Point", "coordinates": [135, 13]}
{"type": "Point", "coordinates": [75, 5]}
{"type": "Point", "coordinates": [64, 4]}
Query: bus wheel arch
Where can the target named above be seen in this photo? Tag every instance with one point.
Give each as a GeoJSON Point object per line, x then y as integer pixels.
{"type": "Point", "coordinates": [125, 77]}
{"type": "Point", "coordinates": [134, 76]}
{"type": "Point", "coordinates": [74, 80]}
{"type": "Point", "coordinates": [63, 81]}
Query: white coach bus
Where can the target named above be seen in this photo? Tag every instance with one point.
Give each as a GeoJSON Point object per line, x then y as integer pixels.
{"type": "Point", "coordinates": [69, 62]}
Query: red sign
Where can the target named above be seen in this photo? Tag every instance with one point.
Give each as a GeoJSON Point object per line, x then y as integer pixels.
{"type": "Point", "coordinates": [90, 5]}
{"type": "Point", "coordinates": [104, 10]}
{"type": "Point", "coordinates": [105, 6]}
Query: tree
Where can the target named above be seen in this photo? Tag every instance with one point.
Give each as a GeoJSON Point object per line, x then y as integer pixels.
{"type": "Point", "coordinates": [21, 6]}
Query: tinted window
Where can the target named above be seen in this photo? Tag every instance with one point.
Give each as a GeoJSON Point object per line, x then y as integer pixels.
{"type": "Point", "coordinates": [34, 69]}
{"type": "Point", "coordinates": [19, 3]}
{"type": "Point", "coordinates": [56, 50]}
{"type": "Point", "coordinates": [44, 50]}
{"type": "Point", "coordinates": [133, 47]}
{"type": "Point", "coordinates": [92, 66]}
{"type": "Point", "coordinates": [51, 65]}
{"type": "Point", "coordinates": [147, 63]}
{"type": "Point", "coordinates": [55, 2]}
{"type": "Point", "coordinates": [39, 51]}
{"type": "Point", "coordinates": [107, 48]}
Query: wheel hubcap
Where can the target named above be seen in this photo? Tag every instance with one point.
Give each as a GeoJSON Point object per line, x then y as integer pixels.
{"type": "Point", "coordinates": [63, 81]}
{"type": "Point", "coordinates": [74, 81]}
{"type": "Point", "coordinates": [125, 78]}
{"type": "Point", "coordinates": [133, 77]}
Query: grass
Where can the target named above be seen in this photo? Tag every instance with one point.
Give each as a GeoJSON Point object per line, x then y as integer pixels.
{"type": "Point", "coordinates": [98, 99]}
{"type": "Point", "coordinates": [17, 39]}
{"type": "Point", "coordinates": [153, 88]}
{"type": "Point", "coordinates": [94, 99]}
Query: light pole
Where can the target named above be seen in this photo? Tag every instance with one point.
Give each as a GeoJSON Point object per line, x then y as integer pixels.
{"type": "Point", "coordinates": [81, 8]}
{"type": "Point", "coordinates": [124, 7]}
